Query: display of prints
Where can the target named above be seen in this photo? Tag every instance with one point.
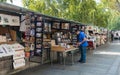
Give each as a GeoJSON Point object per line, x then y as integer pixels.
{"type": "Point", "coordinates": [39, 24]}
{"type": "Point", "coordinates": [62, 37]}
{"type": "Point", "coordinates": [38, 46]}
{"type": "Point", "coordinates": [33, 19]}
{"type": "Point", "coordinates": [19, 54]}
{"type": "Point", "coordinates": [45, 36]}
{"type": "Point", "coordinates": [32, 39]}
{"type": "Point", "coordinates": [56, 25]}
{"type": "Point", "coordinates": [17, 46]}
{"type": "Point", "coordinates": [47, 27]}
{"type": "Point", "coordinates": [38, 40]}
{"type": "Point", "coordinates": [74, 28]}
{"type": "Point", "coordinates": [3, 38]}
{"type": "Point", "coordinates": [17, 51]}
{"type": "Point", "coordinates": [39, 18]}
{"type": "Point", "coordinates": [32, 25]}
{"type": "Point", "coordinates": [32, 32]}
{"type": "Point", "coordinates": [27, 22]}
{"type": "Point", "coordinates": [38, 34]}
{"type": "Point", "coordinates": [15, 21]}
{"type": "Point", "coordinates": [38, 52]}
{"type": "Point", "coordinates": [58, 34]}
{"type": "Point", "coordinates": [38, 29]}
{"type": "Point", "coordinates": [27, 32]}
{"type": "Point", "coordinates": [8, 50]}
{"type": "Point", "coordinates": [65, 26]}
{"type": "Point", "coordinates": [19, 63]}
{"type": "Point", "coordinates": [74, 36]}
{"type": "Point", "coordinates": [27, 38]}
{"type": "Point", "coordinates": [9, 20]}
{"type": "Point", "coordinates": [4, 19]}
{"type": "Point", "coordinates": [32, 47]}
{"type": "Point", "coordinates": [59, 39]}
{"type": "Point", "coordinates": [27, 48]}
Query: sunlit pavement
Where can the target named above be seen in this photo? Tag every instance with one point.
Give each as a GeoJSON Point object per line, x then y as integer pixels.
{"type": "Point", "coordinates": [105, 60]}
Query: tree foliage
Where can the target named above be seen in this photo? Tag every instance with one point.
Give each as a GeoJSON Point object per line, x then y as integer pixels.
{"type": "Point", "coordinates": [113, 8]}
{"type": "Point", "coordinates": [85, 11]}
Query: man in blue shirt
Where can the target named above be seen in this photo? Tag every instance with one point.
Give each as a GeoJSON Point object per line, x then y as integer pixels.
{"type": "Point", "coordinates": [82, 43]}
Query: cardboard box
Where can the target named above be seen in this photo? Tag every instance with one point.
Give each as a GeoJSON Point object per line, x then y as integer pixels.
{"type": "Point", "coordinates": [13, 35]}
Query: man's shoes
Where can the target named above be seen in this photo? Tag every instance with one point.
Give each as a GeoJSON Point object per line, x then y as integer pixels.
{"type": "Point", "coordinates": [81, 61]}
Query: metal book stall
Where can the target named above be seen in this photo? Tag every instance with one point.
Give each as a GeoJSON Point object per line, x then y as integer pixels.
{"type": "Point", "coordinates": [11, 51]}
{"type": "Point", "coordinates": [28, 36]}
{"type": "Point", "coordinates": [97, 36]}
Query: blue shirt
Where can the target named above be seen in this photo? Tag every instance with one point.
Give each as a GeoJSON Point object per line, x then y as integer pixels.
{"type": "Point", "coordinates": [81, 38]}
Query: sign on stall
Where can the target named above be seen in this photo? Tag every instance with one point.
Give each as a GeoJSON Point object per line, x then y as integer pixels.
{"type": "Point", "coordinates": [19, 55]}
{"type": "Point", "coordinates": [9, 20]}
{"type": "Point", "coordinates": [4, 19]}
{"type": "Point", "coordinates": [15, 21]}
{"type": "Point", "coordinates": [19, 63]}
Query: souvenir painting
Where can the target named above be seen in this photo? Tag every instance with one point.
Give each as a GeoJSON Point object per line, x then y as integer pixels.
{"type": "Point", "coordinates": [38, 46]}
{"type": "Point", "coordinates": [38, 34]}
{"type": "Point", "coordinates": [38, 29]}
{"type": "Point", "coordinates": [39, 18]}
{"type": "Point", "coordinates": [39, 24]}
{"type": "Point", "coordinates": [38, 40]}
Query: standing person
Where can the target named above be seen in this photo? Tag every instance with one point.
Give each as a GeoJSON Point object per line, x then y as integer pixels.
{"type": "Point", "coordinates": [112, 36]}
{"type": "Point", "coordinates": [117, 35]}
{"type": "Point", "coordinates": [82, 43]}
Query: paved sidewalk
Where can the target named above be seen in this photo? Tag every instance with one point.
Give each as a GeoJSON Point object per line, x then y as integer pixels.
{"type": "Point", "coordinates": [105, 60]}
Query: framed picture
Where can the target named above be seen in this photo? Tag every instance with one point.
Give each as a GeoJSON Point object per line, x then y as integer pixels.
{"type": "Point", "coordinates": [38, 29]}
{"type": "Point", "coordinates": [65, 25]}
{"type": "Point", "coordinates": [56, 25]}
{"type": "Point", "coordinates": [39, 18]}
{"type": "Point", "coordinates": [32, 32]}
{"type": "Point", "coordinates": [38, 52]}
{"type": "Point", "coordinates": [38, 34]}
{"type": "Point", "coordinates": [38, 46]}
{"type": "Point", "coordinates": [39, 24]}
{"type": "Point", "coordinates": [38, 40]}
{"type": "Point", "coordinates": [15, 21]}
{"type": "Point", "coordinates": [5, 19]}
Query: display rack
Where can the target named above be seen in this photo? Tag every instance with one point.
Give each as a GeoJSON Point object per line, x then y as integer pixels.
{"type": "Point", "coordinates": [42, 40]}
{"type": "Point", "coordinates": [74, 35]}
{"type": "Point", "coordinates": [18, 56]}
{"type": "Point", "coordinates": [46, 41]}
{"type": "Point", "coordinates": [29, 34]}
{"type": "Point", "coordinates": [37, 45]}
{"type": "Point", "coordinates": [8, 45]}
{"type": "Point", "coordinates": [38, 36]}
{"type": "Point", "coordinates": [62, 35]}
